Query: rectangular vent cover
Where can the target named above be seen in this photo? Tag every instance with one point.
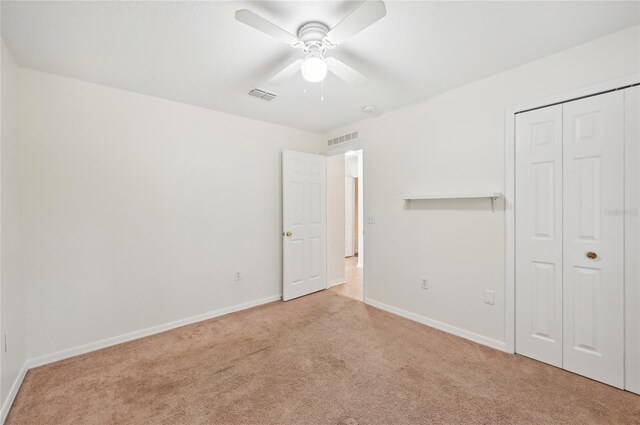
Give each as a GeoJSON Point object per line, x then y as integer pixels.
{"type": "Point", "coordinates": [264, 95]}
{"type": "Point", "coordinates": [343, 139]}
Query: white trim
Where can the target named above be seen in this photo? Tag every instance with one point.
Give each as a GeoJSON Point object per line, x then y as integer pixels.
{"type": "Point", "coordinates": [489, 342]}
{"type": "Point", "coordinates": [13, 392]}
{"type": "Point", "coordinates": [509, 195]}
{"type": "Point", "coordinates": [336, 282]}
{"type": "Point", "coordinates": [108, 342]}
{"type": "Point", "coordinates": [510, 233]}
{"type": "Point", "coordinates": [349, 209]}
{"type": "Point", "coordinates": [631, 244]}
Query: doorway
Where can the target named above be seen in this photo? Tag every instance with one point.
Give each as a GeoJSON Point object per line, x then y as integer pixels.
{"type": "Point", "coordinates": [345, 178]}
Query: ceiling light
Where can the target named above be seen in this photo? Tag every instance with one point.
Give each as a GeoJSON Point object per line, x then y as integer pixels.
{"type": "Point", "coordinates": [314, 69]}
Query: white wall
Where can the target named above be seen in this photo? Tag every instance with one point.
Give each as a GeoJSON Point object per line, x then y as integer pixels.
{"type": "Point", "coordinates": [138, 211]}
{"type": "Point", "coordinates": [335, 219]}
{"type": "Point", "coordinates": [12, 293]}
{"type": "Point", "coordinates": [455, 142]}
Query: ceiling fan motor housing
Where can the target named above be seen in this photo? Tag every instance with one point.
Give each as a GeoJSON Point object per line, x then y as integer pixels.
{"type": "Point", "coordinates": [313, 35]}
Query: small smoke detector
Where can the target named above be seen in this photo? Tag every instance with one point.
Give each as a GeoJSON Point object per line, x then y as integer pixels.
{"type": "Point", "coordinates": [369, 109]}
{"type": "Point", "coordinates": [262, 94]}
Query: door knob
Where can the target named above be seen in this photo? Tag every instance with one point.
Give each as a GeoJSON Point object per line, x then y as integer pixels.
{"type": "Point", "coordinates": [288, 234]}
{"type": "Point", "coordinates": [592, 255]}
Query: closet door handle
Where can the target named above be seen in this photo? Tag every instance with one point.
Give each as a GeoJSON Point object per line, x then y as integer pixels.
{"type": "Point", "coordinates": [592, 255]}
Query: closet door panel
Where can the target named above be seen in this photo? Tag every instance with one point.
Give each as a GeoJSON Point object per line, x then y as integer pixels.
{"type": "Point", "coordinates": [539, 234]}
{"type": "Point", "coordinates": [593, 233]}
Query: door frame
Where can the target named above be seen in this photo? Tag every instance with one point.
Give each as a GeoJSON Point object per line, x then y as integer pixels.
{"type": "Point", "coordinates": [509, 194]}
{"type": "Point", "coordinates": [339, 150]}
{"type": "Point", "coordinates": [349, 206]}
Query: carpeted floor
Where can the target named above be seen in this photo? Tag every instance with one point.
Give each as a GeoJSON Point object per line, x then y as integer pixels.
{"type": "Point", "coordinates": [320, 359]}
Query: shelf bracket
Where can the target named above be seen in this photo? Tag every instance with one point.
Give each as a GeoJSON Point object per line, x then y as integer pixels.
{"type": "Point", "coordinates": [493, 200]}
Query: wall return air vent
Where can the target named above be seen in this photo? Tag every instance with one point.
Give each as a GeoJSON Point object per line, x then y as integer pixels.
{"type": "Point", "coordinates": [343, 139]}
{"type": "Point", "coordinates": [261, 94]}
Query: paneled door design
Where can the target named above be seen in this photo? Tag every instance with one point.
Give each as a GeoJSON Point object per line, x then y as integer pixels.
{"type": "Point", "coordinates": [304, 215]}
{"type": "Point", "coordinates": [594, 237]}
{"type": "Point", "coordinates": [539, 234]}
{"type": "Point", "coordinates": [570, 236]}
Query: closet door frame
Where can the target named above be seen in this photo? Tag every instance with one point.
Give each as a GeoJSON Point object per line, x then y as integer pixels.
{"type": "Point", "coordinates": [632, 359]}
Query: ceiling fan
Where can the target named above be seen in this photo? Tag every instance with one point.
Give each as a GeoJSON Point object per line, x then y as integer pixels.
{"type": "Point", "coordinates": [315, 38]}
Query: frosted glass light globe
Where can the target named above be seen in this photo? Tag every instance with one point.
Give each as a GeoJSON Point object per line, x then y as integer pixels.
{"type": "Point", "coordinates": [314, 69]}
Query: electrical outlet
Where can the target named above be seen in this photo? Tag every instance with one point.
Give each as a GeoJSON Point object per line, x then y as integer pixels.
{"type": "Point", "coordinates": [371, 219]}
{"type": "Point", "coordinates": [238, 276]}
{"type": "Point", "coordinates": [489, 297]}
{"type": "Point", "coordinates": [425, 283]}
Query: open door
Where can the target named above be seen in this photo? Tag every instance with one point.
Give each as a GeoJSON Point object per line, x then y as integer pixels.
{"type": "Point", "coordinates": [304, 224]}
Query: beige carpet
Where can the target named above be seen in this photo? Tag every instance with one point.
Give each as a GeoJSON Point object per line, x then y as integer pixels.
{"type": "Point", "coordinates": [320, 359]}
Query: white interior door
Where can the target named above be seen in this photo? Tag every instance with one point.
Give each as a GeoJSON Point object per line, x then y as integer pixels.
{"type": "Point", "coordinates": [304, 197]}
{"type": "Point", "coordinates": [349, 211]}
{"type": "Point", "coordinates": [539, 234]}
{"type": "Point", "coordinates": [593, 278]}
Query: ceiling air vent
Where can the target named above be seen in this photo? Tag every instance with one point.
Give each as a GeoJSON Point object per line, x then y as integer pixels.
{"type": "Point", "coordinates": [262, 95]}
{"type": "Point", "coordinates": [343, 139]}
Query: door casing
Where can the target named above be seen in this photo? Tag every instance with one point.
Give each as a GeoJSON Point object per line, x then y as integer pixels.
{"type": "Point", "coordinates": [339, 150]}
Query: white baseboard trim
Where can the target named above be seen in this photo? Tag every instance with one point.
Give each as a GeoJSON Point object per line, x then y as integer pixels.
{"type": "Point", "coordinates": [108, 342]}
{"type": "Point", "coordinates": [336, 282]}
{"type": "Point", "coordinates": [489, 342]}
{"type": "Point", "coordinates": [13, 392]}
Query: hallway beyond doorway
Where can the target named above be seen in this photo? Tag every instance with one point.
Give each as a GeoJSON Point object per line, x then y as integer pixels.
{"type": "Point", "coordinates": [353, 275]}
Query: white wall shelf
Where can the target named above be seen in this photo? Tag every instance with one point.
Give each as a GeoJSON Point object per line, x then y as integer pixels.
{"type": "Point", "coordinates": [493, 196]}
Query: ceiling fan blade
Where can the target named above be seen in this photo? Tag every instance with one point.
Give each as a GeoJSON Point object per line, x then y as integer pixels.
{"type": "Point", "coordinates": [345, 72]}
{"type": "Point", "coordinates": [258, 22]}
{"type": "Point", "coordinates": [288, 72]}
{"type": "Point", "coordinates": [366, 14]}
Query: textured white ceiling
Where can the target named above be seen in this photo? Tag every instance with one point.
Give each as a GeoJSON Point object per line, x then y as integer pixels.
{"type": "Point", "coordinates": [195, 52]}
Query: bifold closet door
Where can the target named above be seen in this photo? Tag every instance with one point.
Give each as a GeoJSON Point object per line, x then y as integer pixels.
{"type": "Point", "coordinates": [593, 227]}
{"type": "Point", "coordinates": [539, 234]}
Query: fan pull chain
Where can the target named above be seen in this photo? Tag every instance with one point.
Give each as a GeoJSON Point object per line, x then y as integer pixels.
{"type": "Point", "coordinates": [322, 94]}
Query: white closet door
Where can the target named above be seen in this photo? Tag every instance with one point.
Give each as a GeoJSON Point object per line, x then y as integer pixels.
{"type": "Point", "coordinates": [593, 295]}
{"type": "Point", "coordinates": [539, 234]}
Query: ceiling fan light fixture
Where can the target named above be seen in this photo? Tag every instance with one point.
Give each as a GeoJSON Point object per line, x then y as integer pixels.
{"type": "Point", "coordinates": [314, 69]}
